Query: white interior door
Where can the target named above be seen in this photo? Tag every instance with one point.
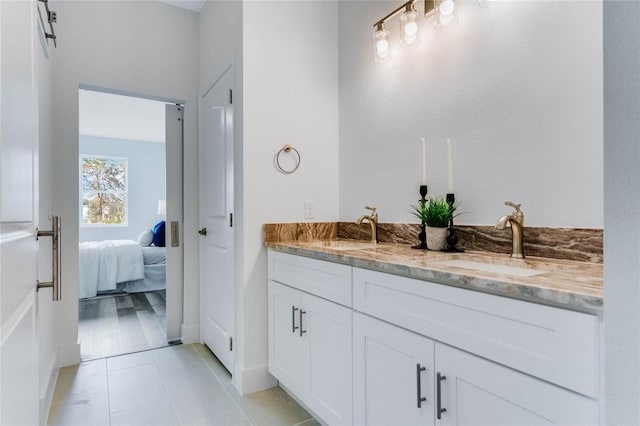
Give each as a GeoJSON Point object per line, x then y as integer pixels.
{"type": "Point", "coordinates": [175, 270]}
{"type": "Point", "coordinates": [216, 219]}
{"type": "Point", "coordinates": [18, 204]}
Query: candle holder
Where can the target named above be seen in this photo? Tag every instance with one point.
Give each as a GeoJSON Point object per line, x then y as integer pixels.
{"type": "Point", "coordinates": [422, 236]}
{"type": "Point", "coordinates": [452, 239]}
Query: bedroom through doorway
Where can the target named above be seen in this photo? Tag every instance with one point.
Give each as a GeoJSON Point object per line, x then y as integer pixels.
{"type": "Point", "coordinates": [122, 285]}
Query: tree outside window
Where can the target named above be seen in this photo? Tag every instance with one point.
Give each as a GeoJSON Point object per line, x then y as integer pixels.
{"type": "Point", "coordinates": [103, 190]}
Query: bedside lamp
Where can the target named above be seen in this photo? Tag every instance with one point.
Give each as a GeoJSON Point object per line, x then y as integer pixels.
{"type": "Point", "coordinates": [162, 208]}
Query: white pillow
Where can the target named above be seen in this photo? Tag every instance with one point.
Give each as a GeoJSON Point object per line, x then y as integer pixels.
{"type": "Point", "coordinates": [146, 238]}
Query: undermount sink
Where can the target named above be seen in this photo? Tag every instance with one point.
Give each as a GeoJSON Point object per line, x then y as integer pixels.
{"type": "Point", "coordinates": [343, 245]}
{"type": "Point", "coordinates": [497, 265]}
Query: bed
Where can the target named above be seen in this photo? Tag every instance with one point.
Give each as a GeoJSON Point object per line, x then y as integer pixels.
{"type": "Point", "coordinates": [113, 266]}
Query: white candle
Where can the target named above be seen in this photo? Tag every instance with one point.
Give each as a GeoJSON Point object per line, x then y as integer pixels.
{"type": "Point", "coordinates": [424, 161]}
{"type": "Point", "coordinates": [450, 168]}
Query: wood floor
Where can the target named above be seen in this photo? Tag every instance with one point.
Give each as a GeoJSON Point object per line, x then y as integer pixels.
{"type": "Point", "coordinates": [123, 323]}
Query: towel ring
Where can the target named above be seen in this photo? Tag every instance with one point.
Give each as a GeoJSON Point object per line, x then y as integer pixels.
{"type": "Point", "coordinates": [286, 149]}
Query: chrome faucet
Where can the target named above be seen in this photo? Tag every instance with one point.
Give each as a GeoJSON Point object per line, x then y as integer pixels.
{"type": "Point", "coordinates": [515, 221]}
{"type": "Point", "coordinates": [371, 220]}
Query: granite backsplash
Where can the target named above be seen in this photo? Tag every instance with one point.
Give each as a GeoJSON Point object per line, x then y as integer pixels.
{"type": "Point", "coordinates": [579, 244]}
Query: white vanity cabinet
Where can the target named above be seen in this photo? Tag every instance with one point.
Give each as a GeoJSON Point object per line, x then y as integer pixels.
{"type": "Point", "coordinates": [370, 348]}
{"type": "Point", "coordinates": [396, 376]}
{"type": "Point", "coordinates": [516, 340]}
{"type": "Point", "coordinates": [474, 391]}
{"type": "Point", "coordinates": [393, 374]}
{"type": "Point", "coordinates": [310, 338]}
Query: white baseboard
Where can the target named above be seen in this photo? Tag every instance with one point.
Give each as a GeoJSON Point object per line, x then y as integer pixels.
{"type": "Point", "coordinates": [46, 394]}
{"type": "Point", "coordinates": [68, 354]}
{"type": "Point", "coordinates": [190, 333]}
{"type": "Point", "coordinates": [254, 379]}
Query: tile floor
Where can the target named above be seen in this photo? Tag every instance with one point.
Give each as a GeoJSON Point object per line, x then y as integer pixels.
{"type": "Point", "coordinates": [176, 385]}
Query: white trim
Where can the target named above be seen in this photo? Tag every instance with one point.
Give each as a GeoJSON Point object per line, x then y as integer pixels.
{"type": "Point", "coordinates": [46, 397]}
{"type": "Point", "coordinates": [190, 333]}
{"type": "Point", "coordinates": [68, 354]}
{"type": "Point", "coordinates": [253, 379]}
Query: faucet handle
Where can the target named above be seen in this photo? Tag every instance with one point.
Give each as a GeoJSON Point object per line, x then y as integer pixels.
{"type": "Point", "coordinates": [514, 205]}
{"type": "Point", "coordinates": [374, 213]}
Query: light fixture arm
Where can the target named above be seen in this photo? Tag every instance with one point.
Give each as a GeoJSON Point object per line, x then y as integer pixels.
{"type": "Point", "coordinates": [429, 6]}
{"type": "Point", "coordinates": [408, 5]}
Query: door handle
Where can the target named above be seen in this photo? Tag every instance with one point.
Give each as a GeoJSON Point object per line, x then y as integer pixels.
{"type": "Point", "coordinates": [293, 319]}
{"type": "Point", "coordinates": [56, 261]}
{"type": "Point", "coordinates": [203, 231]}
{"type": "Point", "coordinates": [439, 409]}
{"type": "Point", "coordinates": [419, 370]}
{"type": "Point", "coordinates": [301, 330]}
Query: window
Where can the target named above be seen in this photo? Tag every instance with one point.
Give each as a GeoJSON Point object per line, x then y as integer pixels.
{"type": "Point", "coordinates": [103, 190]}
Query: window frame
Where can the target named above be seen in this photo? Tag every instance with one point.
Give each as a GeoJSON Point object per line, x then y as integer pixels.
{"type": "Point", "coordinates": [83, 192]}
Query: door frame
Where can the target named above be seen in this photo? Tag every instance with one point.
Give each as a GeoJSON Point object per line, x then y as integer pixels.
{"type": "Point", "coordinates": [175, 209]}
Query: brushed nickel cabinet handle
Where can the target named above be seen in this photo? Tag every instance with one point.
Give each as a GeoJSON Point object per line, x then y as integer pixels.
{"type": "Point", "coordinates": [301, 330]}
{"type": "Point", "coordinates": [439, 409]}
{"type": "Point", "coordinates": [294, 327]}
{"type": "Point", "coordinates": [419, 370]}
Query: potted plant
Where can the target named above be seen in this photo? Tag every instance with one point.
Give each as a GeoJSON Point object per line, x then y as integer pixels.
{"type": "Point", "coordinates": [436, 214]}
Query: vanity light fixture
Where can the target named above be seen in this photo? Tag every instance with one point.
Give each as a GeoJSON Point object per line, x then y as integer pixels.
{"type": "Point", "coordinates": [447, 14]}
{"type": "Point", "coordinates": [408, 29]}
{"type": "Point", "coordinates": [409, 26]}
{"type": "Point", "coordinates": [381, 51]}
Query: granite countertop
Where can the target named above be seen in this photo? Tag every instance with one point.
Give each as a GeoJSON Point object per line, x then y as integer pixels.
{"type": "Point", "coordinates": [562, 283]}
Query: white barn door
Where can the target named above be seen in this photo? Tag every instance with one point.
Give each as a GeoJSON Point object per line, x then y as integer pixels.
{"type": "Point", "coordinates": [18, 206]}
{"type": "Point", "coordinates": [216, 219]}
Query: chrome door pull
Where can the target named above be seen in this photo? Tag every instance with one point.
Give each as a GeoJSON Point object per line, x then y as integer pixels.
{"type": "Point", "coordinates": [419, 370]}
{"type": "Point", "coordinates": [294, 327]}
{"type": "Point", "coordinates": [56, 255]}
{"type": "Point", "coordinates": [439, 409]}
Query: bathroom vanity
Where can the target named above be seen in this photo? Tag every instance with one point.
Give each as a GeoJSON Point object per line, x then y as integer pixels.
{"type": "Point", "coordinates": [382, 334]}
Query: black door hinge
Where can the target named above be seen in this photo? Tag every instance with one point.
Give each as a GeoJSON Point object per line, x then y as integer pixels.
{"type": "Point", "coordinates": [231, 220]}
{"type": "Point", "coordinates": [230, 343]}
{"type": "Point", "coordinates": [230, 96]}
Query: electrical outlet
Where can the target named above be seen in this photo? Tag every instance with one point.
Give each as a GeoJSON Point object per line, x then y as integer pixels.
{"type": "Point", "coordinates": [309, 209]}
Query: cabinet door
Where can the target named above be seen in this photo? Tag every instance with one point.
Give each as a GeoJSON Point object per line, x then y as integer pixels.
{"type": "Point", "coordinates": [388, 375]}
{"type": "Point", "coordinates": [285, 343]}
{"type": "Point", "coordinates": [327, 360]}
{"type": "Point", "coordinates": [479, 392]}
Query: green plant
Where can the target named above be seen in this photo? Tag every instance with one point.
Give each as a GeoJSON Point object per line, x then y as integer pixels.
{"type": "Point", "coordinates": [435, 212]}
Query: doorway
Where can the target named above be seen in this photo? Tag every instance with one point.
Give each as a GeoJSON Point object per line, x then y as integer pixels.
{"type": "Point", "coordinates": [127, 253]}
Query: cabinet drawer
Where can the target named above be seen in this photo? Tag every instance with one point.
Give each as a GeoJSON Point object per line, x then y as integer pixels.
{"type": "Point", "coordinates": [554, 344]}
{"type": "Point", "coordinates": [328, 280]}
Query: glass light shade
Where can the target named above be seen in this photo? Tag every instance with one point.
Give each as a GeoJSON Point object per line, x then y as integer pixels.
{"type": "Point", "coordinates": [381, 45]}
{"type": "Point", "coordinates": [446, 17]}
{"type": "Point", "coordinates": [409, 28]}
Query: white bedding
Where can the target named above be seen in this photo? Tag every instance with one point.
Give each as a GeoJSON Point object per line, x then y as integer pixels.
{"type": "Point", "coordinates": [154, 255]}
{"type": "Point", "coordinates": [103, 264]}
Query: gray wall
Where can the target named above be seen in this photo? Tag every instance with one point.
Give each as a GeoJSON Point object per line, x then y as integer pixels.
{"type": "Point", "coordinates": [518, 90]}
{"type": "Point", "coordinates": [146, 174]}
{"type": "Point", "coordinates": [622, 210]}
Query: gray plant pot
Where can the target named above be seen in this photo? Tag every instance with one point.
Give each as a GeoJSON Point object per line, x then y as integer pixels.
{"type": "Point", "coordinates": [436, 238]}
